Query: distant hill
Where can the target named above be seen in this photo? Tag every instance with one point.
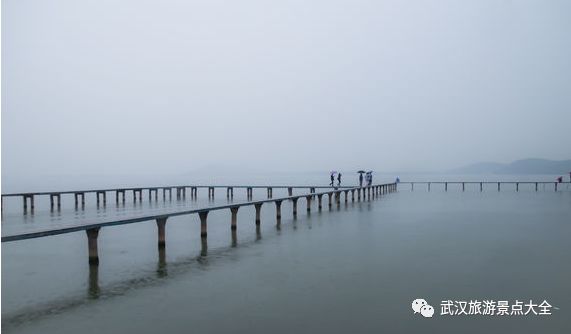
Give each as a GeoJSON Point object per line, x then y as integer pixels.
{"type": "Point", "coordinates": [525, 166]}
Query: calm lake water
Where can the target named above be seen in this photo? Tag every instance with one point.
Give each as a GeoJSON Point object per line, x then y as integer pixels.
{"type": "Point", "coordinates": [354, 269]}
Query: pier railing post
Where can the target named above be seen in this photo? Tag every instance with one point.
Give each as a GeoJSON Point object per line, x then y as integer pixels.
{"type": "Point", "coordinates": [92, 235]}
{"type": "Point", "coordinates": [203, 228]}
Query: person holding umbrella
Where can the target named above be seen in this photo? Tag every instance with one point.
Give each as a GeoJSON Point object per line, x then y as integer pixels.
{"type": "Point", "coordinates": [361, 177]}
{"type": "Point", "coordinates": [339, 179]}
{"type": "Point", "coordinates": [332, 178]}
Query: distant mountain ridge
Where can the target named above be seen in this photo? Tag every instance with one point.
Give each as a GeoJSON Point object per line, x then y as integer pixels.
{"type": "Point", "coordinates": [525, 166]}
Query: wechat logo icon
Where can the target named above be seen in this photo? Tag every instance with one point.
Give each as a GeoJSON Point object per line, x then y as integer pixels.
{"type": "Point", "coordinates": [422, 307]}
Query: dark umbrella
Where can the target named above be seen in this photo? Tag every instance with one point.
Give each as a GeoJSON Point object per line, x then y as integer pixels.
{"type": "Point", "coordinates": [361, 171]}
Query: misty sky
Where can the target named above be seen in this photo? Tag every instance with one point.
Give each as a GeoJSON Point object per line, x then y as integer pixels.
{"type": "Point", "coordinates": [104, 87]}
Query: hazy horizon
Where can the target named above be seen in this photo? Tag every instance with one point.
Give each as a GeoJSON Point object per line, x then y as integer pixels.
{"type": "Point", "coordinates": [139, 88]}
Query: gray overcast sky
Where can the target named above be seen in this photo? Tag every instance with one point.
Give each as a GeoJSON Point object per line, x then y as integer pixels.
{"type": "Point", "coordinates": [169, 86]}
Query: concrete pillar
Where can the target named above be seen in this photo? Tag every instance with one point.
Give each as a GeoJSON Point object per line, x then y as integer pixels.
{"type": "Point", "coordinates": [203, 247]}
{"type": "Point", "coordinates": [290, 191]}
{"type": "Point", "coordinates": [555, 190]}
{"type": "Point", "coordinates": [463, 186]}
{"type": "Point", "coordinates": [535, 186]}
{"type": "Point", "coordinates": [258, 207]}
{"type": "Point", "coordinates": [412, 186]}
{"type": "Point", "coordinates": [445, 186]}
{"type": "Point", "coordinates": [330, 195]}
{"type": "Point", "coordinates": [359, 194]}
{"type": "Point", "coordinates": [346, 196]}
{"type": "Point", "coordinates": [234, 239]}
{"type": "Point", "coordinates": [93, 283]}
{"type": "Point", "coordinates": [481, 187]}
{"type": "Point", "coordinates": [231, 192]}
{"type": "Point", "coordinates": [92, 235]}
{"type": "Point", "coordinates": [517, 186]}
{"type": "Point", "coordinates": [294, 200]}
{"type": "Point", "coordinates": [278, 210]}
{"type": "Point", "coordinates": [308, 199]}
{"type": "Point", "coordinates": [319, 199]}
{"type": "Point", "coordinates": [352, 195]}
{"type": "Point", "coordinates": [338, 197]}
{"type": "Point", "coordinates": [234, 220]}
{"type": "Point", "coordinates": [269, 192]}
{"type": "Point", "coordinates": [161, 222]}
{"type": "Point", "coordinates": [52, 196]}
{"type": "Point", "coordinates": [203, 230]}
{"type": "Point", "coordinates": [498, 186]}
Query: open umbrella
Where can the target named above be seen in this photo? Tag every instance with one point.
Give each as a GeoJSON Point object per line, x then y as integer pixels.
{"type": "Point", "coordinates": [333, 172]}
{"type": "Point", "coordinates": [361, 171]}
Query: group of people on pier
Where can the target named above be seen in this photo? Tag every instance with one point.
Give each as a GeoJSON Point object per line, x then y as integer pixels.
{"type": "Point", "coordinates": [364, 177]}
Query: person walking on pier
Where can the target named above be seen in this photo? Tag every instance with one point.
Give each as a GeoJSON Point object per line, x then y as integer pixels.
{"type": "Point", "coordinates": [339, 179]}
{"type": "Point", "coordinates": [360, 179]}
{"type": "Point", "coordinates": [332, 179]}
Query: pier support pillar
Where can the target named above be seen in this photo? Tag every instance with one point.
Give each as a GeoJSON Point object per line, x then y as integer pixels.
{"type": "Point", "coordinates": [203, 228]}
{"type": "Point", "coordinates": [481, 187]}
{"type": "Point", "coordinates": [294, 203]}
{"type": "Point", "coordinates": [308, 199]}
{"type": "Point", "coordinates": [161, 222]}
{"type": "Point", "coordinates": [330, 197]}
{"type": "Point", "coordinates": [535, 186]}
{"type": "Point", "coordinates": [346, 196]}
{"type": "Point", "coordinates": [290, 191]}
{"type": "Point", "coordinates": [445, 186]}
{"type": "Point", "coordinates": [463, 186]}
{"type": "Point", "coordinates": [517, 186]}
{"type": "Point", "coordinates": [278, 210]}
{"type": "Point", "coordinates": [53, 198]}
{"type": "Point", "coordinates": [258, 210]}
{"type": "Point", "coordinates": [269, 190]}
{"type": "Point", "coordinates": [92, 235]}
{"type": "Point", "coordinates": [319, 200]}
{"type": "Point", "coordinates": [234, 219]}
{"type": "Point", "coordinates": [498, 186]}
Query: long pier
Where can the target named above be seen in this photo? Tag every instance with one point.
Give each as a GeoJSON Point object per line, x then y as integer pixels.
{"type": "Point", "coordinates": [92, 229]}
{"type": "Point", "coordinates": [481, 184]}
{"type": "Point", "coordinates": [28, 198]}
